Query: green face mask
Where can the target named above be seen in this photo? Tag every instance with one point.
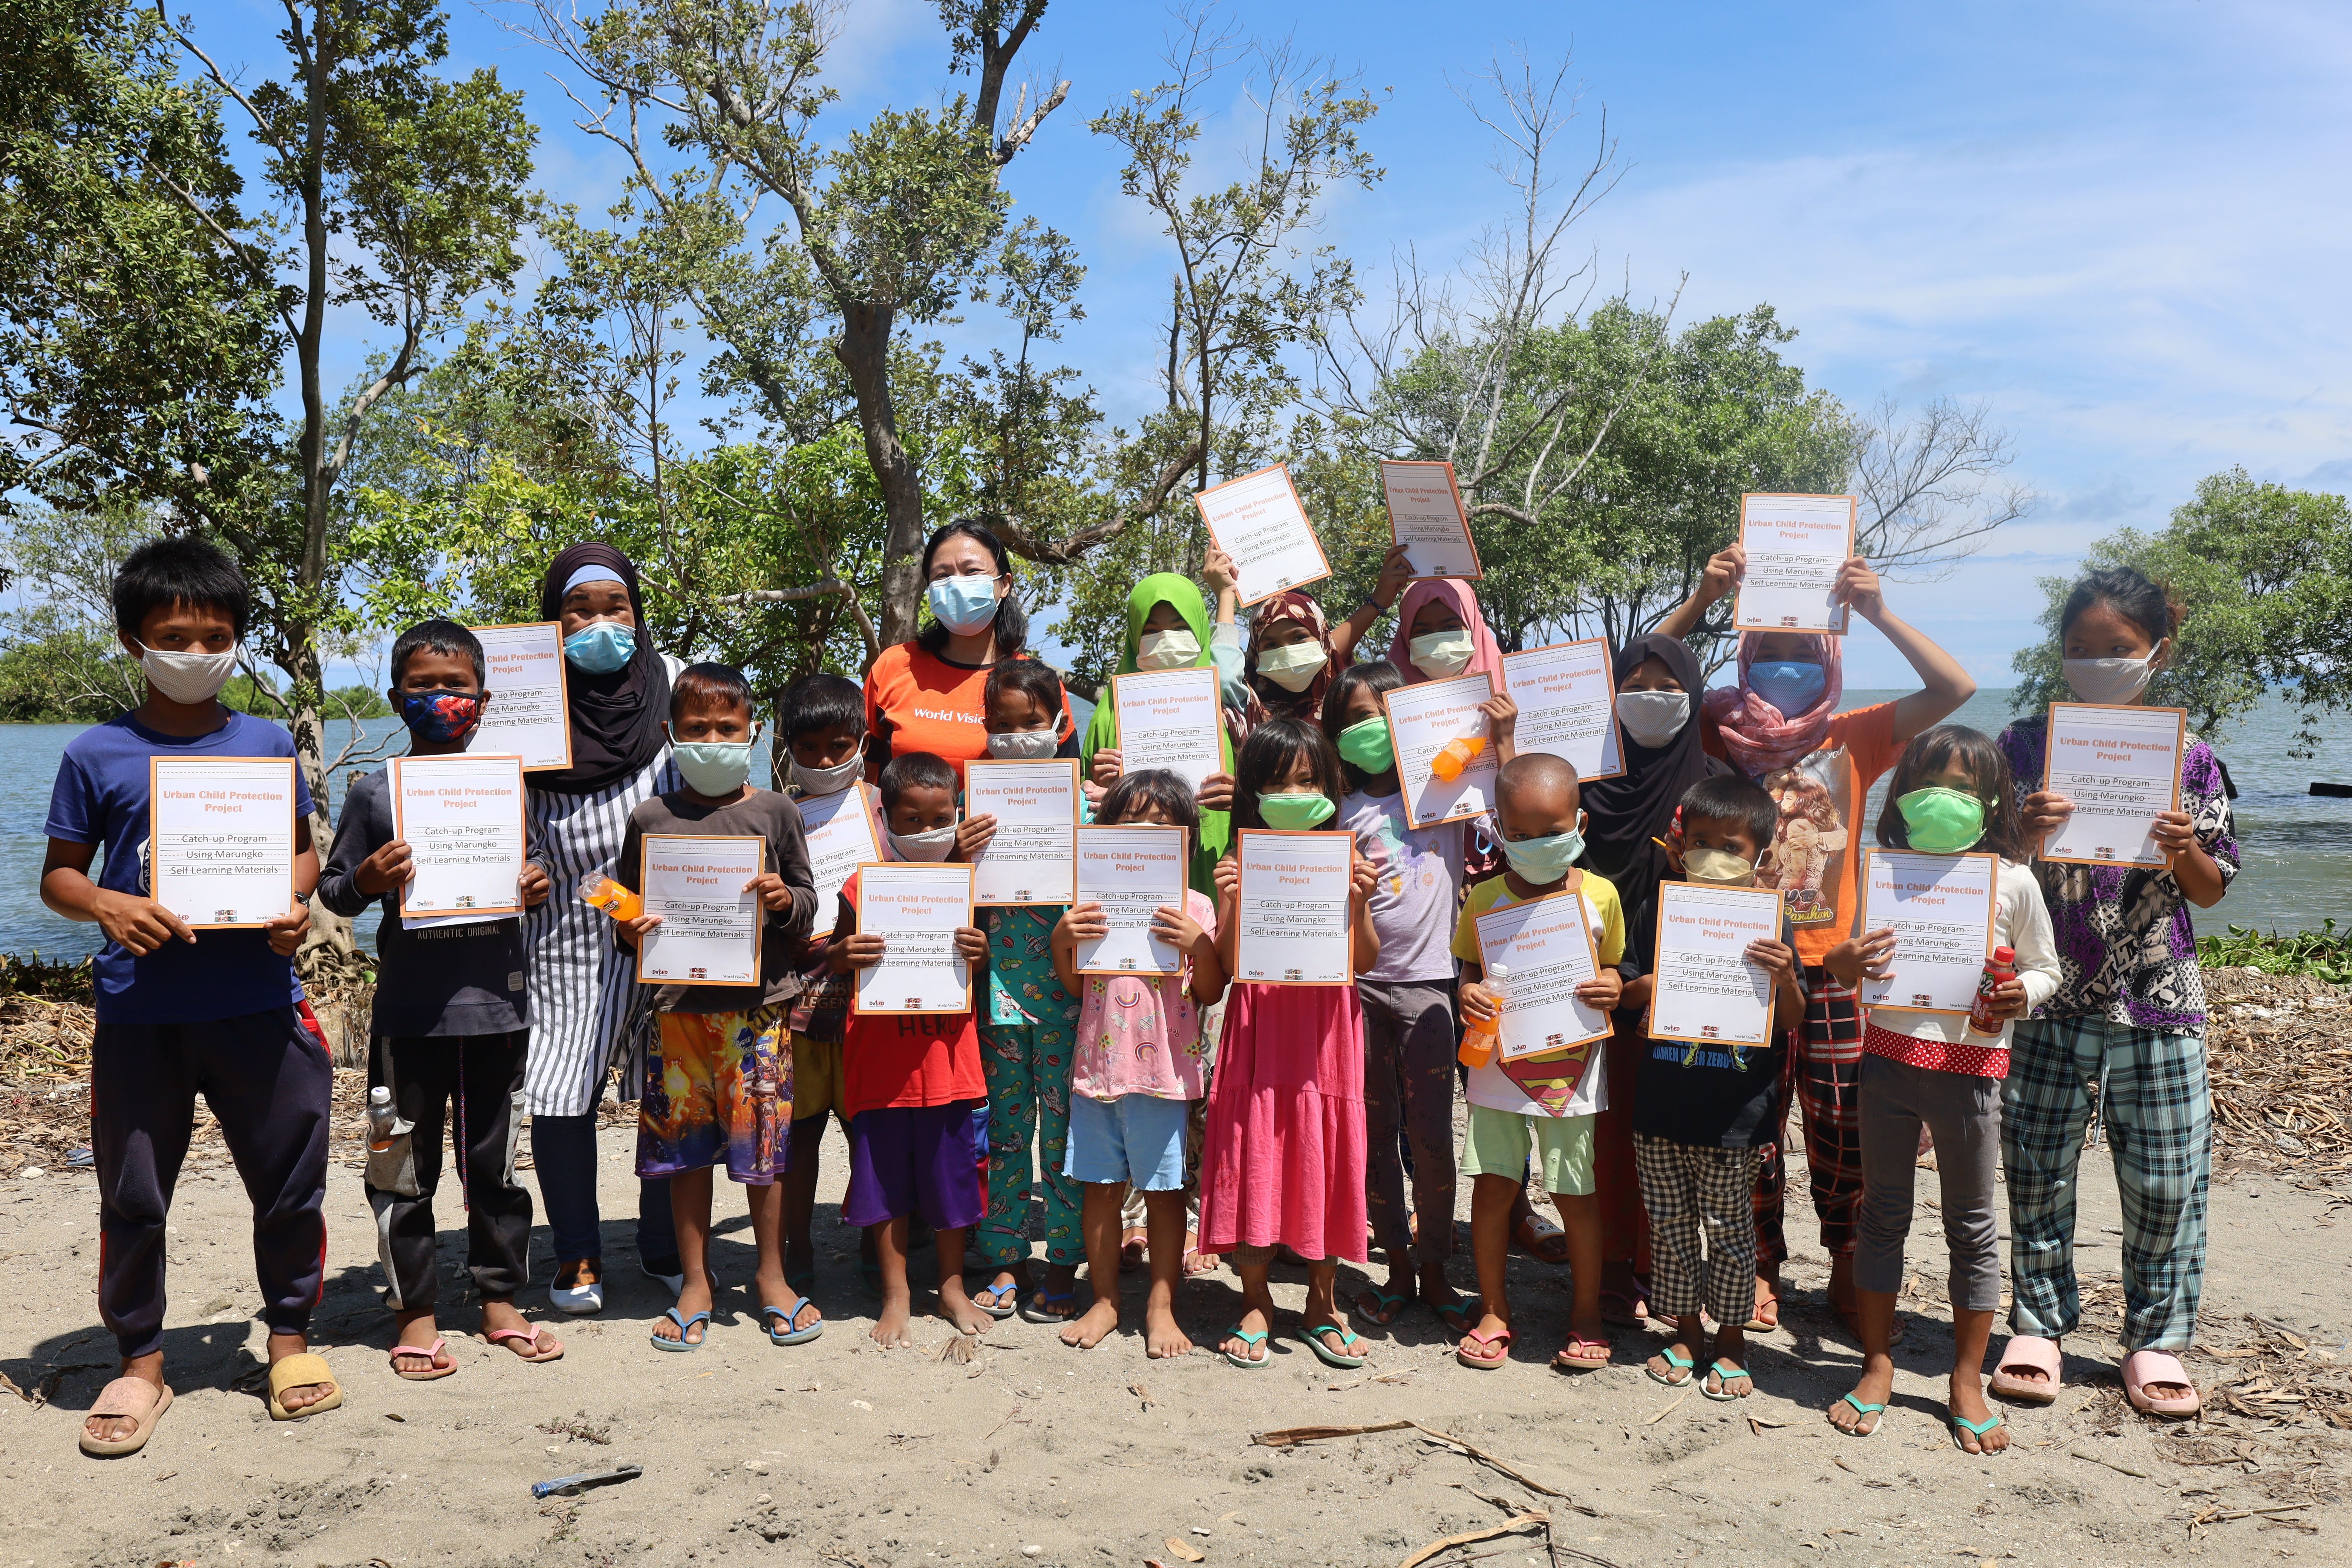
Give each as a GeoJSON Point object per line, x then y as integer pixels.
{"type": "Point", "coordinates": [1367, 746]}
{"type": "Point", "coordinates": [1295, 811]}
{"type": "Point", "coordinates": [1942, 821]}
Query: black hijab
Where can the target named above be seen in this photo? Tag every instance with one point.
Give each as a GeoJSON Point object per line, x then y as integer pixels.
{"type": "Point", "coordinates": [1636, 807]}
{"type": "Point", "coordinates": [616, 718]}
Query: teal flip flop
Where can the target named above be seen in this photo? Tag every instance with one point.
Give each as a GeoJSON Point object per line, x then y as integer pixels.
{"type": "Point", "coordinates": [684, 1327]}
{"type": "Point", "coordinates": [1976, 1429]}
{"type": "Point", "coordinates": [1253, 1341]}
{"type": "Point", "coordinates": [1391, 1303]}
{"type": "Point", "coordinates": [1462, 1316]}
{"type": "Point", "coordinates": [1862, 1409]}
{"type": "Point", "coordinates": [781, 1330]}
{"type": "Point", "coordinates": [1681, 1363]}
{"type": "Point", "coordinates": [1725, 1375]}
{"type": "Point", "coordinates": [1314, 1342]}
{"type": "Point", "coordinates": [803, 1283]}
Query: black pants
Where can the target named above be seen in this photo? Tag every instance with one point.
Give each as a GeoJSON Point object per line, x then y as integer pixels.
{"type": "Point", "coordinates": [268, 1080]}
{"type": "Point", "coordinates": [483, 1075]}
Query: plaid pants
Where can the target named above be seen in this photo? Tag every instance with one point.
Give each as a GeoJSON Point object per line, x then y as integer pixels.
{"type": "Point", "coordinates": [1684, 1186]}
{"type": "Point", "coordinates": [2160, 1127]}
{"type": "Point", "coordinates": [1827, 1068]}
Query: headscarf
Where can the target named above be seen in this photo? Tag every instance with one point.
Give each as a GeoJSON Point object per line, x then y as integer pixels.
{"type": "Point", "coordinates": [1486, 653]}
{"type": "Point", "coordinates": [616, 718]}
{"type": "Point", "coordinates": [1629, 812]}
{"type": "Point", "coordinates": [1306, 702]}
{"type": "Point", "coordinates": [1102, 730]}
{"type": "Point", "coordinates": [1758, 737]}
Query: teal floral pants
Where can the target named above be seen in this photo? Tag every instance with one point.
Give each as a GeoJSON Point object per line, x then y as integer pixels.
{"type": "Point", "coordinates": [1028, 1072]}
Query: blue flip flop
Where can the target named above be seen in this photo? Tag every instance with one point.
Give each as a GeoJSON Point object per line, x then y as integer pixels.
{"type": "Point", "coordinates": [991, 1299]}
{"type": "Point", "coordinates": [1313, 1338]}
{"type": "Point", "coordinates": [1033, 1311]}
{"type": "Point", "coordinates": [1862, 1409]}
{"type": "Point", "coordinates": [783, 1333]}
{"type": "Point", "coordinates": [1681, 1363]}
{"type": "Point", "coordinates": [1976, 1429]}
{"type": "Point", "coordinates": [1253, 1341]}
{"type": "Point", "coordinates": [684, 1327]}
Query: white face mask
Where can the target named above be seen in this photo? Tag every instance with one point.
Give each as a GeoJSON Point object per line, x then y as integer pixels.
{"type": "Point", "coordinates": [1441, 654]}
{"type": "Point", "coordinates": [188, 676]}
{"type": "Point", "coordinates": [1022, 745]}
{"type": "Point", "coordinates": [1293, 666]}
{"type": "Point", "coordinates": [1167, 650]}
{"type": "Point", "coordinates": [2112, 682]}
{"type": "Point", "coordinates": [1652, 718]}
{"type": "Point", "coordinates": [827, 780]}
{"type": "Point", "coordinates": [931, 845]}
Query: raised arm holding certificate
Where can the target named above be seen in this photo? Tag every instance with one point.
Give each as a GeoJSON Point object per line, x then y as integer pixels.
{"type": "Point", "coordinates": [1131, 871]}
{"type": "Point", "coordinates": [1030, 859]}
{"type": "Point", "coordinates": [1706, 988]}
{"type": "Point", "coordinates": [527, 713]}
{"type": "Point", "coordinates": [1258, 520]}
{"type": "Point", "coordinates": [1421, 719]}
{"type": "Point", "coordinates": [711, 917]}
{"type": "Point", "coordinates": [220, 837]}
{"type": "Point", "coordinates": [1293, 912]}
{"type": "Point", "coordinates": [462, 818]}
{"type": "Point", "coordinates": [1426, 516]}
{"type": "Point", "coordinates": [1796, 545]}
{"type": "Point", "coordinates": [1941, 910]}
{"type": "Point", "coordinates": [1546, 948]}
{"type": "Point", "coordinates": [841, 838]}
{"type": "Point", "coordinates": [1567, 696]}
{"type": "Point", "coordinates": [1170, 719]}
{"type": "Point", "coordinates": [914, 908]}
{"type": "Point", "coordinates": [2120, 767]}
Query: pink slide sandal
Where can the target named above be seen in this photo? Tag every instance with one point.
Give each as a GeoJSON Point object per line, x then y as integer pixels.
{"type": "Point", "coordinates": [2142, 1368]}
{"type": "Point", "coordinates": [2029, 1352]}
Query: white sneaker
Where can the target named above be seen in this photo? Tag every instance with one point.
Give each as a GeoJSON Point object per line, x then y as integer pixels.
{"type": "Point", "coordinates": [673, 1283]}
{"type": "Point", "coordinates": [575, 1288]}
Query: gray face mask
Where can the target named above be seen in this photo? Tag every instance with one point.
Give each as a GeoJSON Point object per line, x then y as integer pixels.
{"type": "Point", "coordinates": [827, 780]}
{"type": "Point", "coordinates": [1022, 745]}
{"type": "Point", "coordinates": [1652, 718]}
{"type": "Point", "coordinates": [932, 845]}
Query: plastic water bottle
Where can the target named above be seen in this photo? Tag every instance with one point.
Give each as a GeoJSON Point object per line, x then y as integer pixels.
{"type": "Point", "coordinates": [1479, 1040]}
{"type": "Point", "coordinates": [597, 889]}
{"type": "Point", "coordinates": [380, 1119]}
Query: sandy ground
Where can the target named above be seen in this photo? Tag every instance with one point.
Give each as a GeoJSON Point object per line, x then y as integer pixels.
{"type": "Point", "coordinates": [1032, 1453]}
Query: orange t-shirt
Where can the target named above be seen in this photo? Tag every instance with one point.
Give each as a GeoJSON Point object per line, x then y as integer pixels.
{"type": "Point", "coordinates": [1819, 842]}
{"type": "Point", "coordinates": [907, 1058]}
{"type": "Point", "coordinates": [917, 701]}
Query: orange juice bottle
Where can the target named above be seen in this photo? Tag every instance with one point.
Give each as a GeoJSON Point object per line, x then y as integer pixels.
{"type": "Point", "coordinates": [1479, 1040]}
{"type": "Point", "coordinates": [1459, 753]}
{"type": "Point", "coordinates": [597, 889]}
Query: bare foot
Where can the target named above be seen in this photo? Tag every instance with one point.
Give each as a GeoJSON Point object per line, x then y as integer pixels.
{"type": "Point", "coordinates": [115, 1428]}
{"type": "Point", "coordinates": [957, 1308]}
{"type": "Point", "coordinates": [692, 1298]}
{"type": "Point", "coordinates": [301, 1395]}
{"type": "Point", "coordinates": [889, 1330]}
{"type": "Point", "coordinates": [1966, 1399]}
{"type": "Point", "coordinates": [1087, 1331]}
{"type": "Point", "coordinates": [1162, 1338]}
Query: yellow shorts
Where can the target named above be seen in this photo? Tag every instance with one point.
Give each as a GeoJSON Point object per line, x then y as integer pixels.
{"type": "Point", "coordinates": [817, 1083]}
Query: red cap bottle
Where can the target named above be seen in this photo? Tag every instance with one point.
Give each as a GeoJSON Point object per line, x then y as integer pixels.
{"type": "Point", "coordinates": [1999, 968]}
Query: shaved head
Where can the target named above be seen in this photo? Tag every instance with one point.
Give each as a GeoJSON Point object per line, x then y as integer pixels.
{"type": "Point", "coordinates": [1534, 773]}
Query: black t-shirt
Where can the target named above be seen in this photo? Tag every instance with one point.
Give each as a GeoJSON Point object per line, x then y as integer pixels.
{"type": "Point", "coordinates": [442, 979]}
{"type": "Point", "coordinates": [1710, 1095]}
{"type": "Point", "coordinates": [784, 936]}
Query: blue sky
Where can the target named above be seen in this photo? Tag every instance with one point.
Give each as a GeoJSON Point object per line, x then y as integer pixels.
{"type": "Point", "coordinates": [2126, 227]}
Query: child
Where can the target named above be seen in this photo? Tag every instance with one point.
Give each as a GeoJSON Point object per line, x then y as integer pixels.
{"type": "Point", "coordinates": [1702, 1114]}
{"type": "Point", "coordinates": [721, 1090]}
{"type": "Point", "coordinates": [1550, 1098]}
{"type": "Point", "coordinates": [1283, 1159]}
{"type": "Point", "coordinates": [1951, 793]}
{"type": "Point", "coordinates": [450, 1023]}
{"type": "Point", "coordinates": [1025, 1037]}
{"type": "Point", "coordinates": [178, 1013]}
{"type": "Point", "coordinates": [1137, 1071]}
{"type": "Point", "coordinates": [912, 1081]}
{"type": "Point", "coordinates": [2128, 1017]}
{"type": "Point", "coordinates": [1407, 1001]}
{"type": "Point", "coordinates": [1166, 620]}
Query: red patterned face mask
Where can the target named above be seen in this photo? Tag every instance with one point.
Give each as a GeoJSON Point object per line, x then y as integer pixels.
{"type": "Point", "coordinates": [440, 716]}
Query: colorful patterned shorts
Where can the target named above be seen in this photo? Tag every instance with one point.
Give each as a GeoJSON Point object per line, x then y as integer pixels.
{"type": "Point", "coordinates": [720, 1092]}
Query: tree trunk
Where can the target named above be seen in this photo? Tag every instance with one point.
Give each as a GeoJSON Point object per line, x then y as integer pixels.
{"type": "Point", "coordinates": [863, 350]}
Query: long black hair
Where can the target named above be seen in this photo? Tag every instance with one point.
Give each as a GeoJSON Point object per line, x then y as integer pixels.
{"type": "Point", "coordinates": [1012, 624]}
{"type": "Point", "coordinates": [1929, 754]}
{"type": "Point", "coordinates": [1376, 677]}
{"type": "Point", "coordinates": [1273, 749]}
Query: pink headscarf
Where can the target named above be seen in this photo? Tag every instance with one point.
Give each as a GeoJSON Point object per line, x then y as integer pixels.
{"type": "Point", "coordinates": [1757, 736]}
{"type": "Point", "coordinates": [1486, 653]}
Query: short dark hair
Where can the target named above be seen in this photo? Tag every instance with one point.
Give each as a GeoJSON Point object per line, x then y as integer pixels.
{"type": "Point", "coordinates": [1147, 787]}
{"type": "Point", "coordinates": [164, 573]}
{"type": "Point", "coordinates": [915, 770]}
{"type": "Point", "coordinates": [1012, 624]}
{"type": "Point", "coordinates": [816, 702]}
{"type": "Point", "coordinates": [1032, 676]}
{"type": "Point", "coordinates": [1271, 749]}
{"type": "Point", "coordinates": [1928, 753]}
{"type": "Point", "coordinates": [2145, 605]}
{"type": "Point", "coordinates": [709, 685]}
{"type": "Point", "coordinates": [1375, 676]}
{"type": "Point", "coordinates": [1535, 769]}
{"type": "Point", "coordinates": [1733, 798]}
{"type": "Point", "coordinates": [438, 636]}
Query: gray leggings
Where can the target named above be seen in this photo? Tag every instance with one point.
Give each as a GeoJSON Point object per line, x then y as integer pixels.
{"type": "Point", "coordinates": [1963, 1112]}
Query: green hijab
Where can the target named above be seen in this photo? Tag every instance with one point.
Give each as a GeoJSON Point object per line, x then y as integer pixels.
{"type": "Point", "coordinates": [1102, 730]}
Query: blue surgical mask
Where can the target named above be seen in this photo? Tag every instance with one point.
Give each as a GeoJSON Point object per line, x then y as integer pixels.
{"type": "Point", "coordinates": [963, 604]}
{"type": "Point", "coordinates": [714, 767]}
{"type": "Point", "coordinates": [601, 647]}
{"type": "Point", "coordinates": [1788, 685]}
{"type": "Point", "coordinates": [1544, 860]}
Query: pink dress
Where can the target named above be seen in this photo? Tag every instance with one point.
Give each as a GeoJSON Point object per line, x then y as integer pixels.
{"type": "Point", "coordinates": [1282, 1157]}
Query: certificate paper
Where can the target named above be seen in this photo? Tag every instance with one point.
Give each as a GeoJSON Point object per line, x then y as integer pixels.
{"type": "Point", "coordinates": [1941, 910]}
{"type": "Point", "coordinates": [1032, 859]}
{"type": "Point", "coordinates": [1705, 988]}
{"type": "Point", "coordinates": [1568, 705]}
{"type": "Point", "coordinates": [526, 714]}
{"type": "Point", "coordinates": [1131, 872]}
{"type": "Point", "coordinates": [2120, 766]}
{"type": "Point", "coordinates": [710, 933]}
{"type": "Point", "coordinates": [1170, 718]}
{"type": "Point", "coordinates": [841, 838]}
{"type": "Point", "coordinates": [1795, 546]}
{"type": "Point", "coordinates": [1293, 908]}
{"type": "Point", "coordinates": [1426, 516]}
{"type": "Point", "coordinates": [462, 818]}
{"type": "Point", "coordinates": [1547, 947]}
{"type": "Point", "coordinates": [1421, 719]}
{"type": "Point", "coordinates": [220, 838]}
{"type": "Point", "coordinates": [915, 907]}
{"type": "Point", "coordinates": [1258, 520]}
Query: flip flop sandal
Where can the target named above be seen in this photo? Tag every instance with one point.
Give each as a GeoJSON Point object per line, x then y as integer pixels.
{"type": "Point", "coordinates": [803, 1283]}
{"type": "Point", "coordinates": [1540, 1239]}
{"type": "Point", "coordinates": [1681, 1363]}
{"type": "Point", "coordinates": [1860, 1409]}
{"type": "Point", "coordinates": [993, 1299]}
{"type": "Point", "coordinates": [1722, 1394]}
{"type": "Point", "coordinates": [431, 1354]}
{"type": "Point", "coordinates": [1853, 1322]}
{"type": "Point", "coordinates": [1567, 1361]}
{"type": "Point", "coordinates": [114, 1401]}
{"type": "Point", "coordinates": [684, 1327]}
{"type": "Point", "coordinates": [1344, 1357]}
{"type": "Point", "coordinates": [300, 1370]}
{"type": "Point", "coordinates": [1132, 1247]}
{"type": "Point", "coordinates": [2143, 1367]}
{"type": "Point", "coordinates": [1758, 1323]}
{"type": "Point", "coordinates": [1034, 1310]}
{"type": "Point", "coordinates": [1389, 1305]}
{"type": "Point", "coordinates": [530, 1337]}
{"type": "Point", "coordinates": [1463, 1315]}
{"type": "Point", "coordinates": [1629, 1312]}
{"type": "Point", "coordinates": [780, 1326]}
{"type": "Point", "coordinates": [2033, 1351]}
{"type": "Point", "coordinates": [1501, 1358]}
{"type": "Point", "coordinates": [1976, 1429]}
{"type": "Point", "coordinates": [1253, 1341]}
